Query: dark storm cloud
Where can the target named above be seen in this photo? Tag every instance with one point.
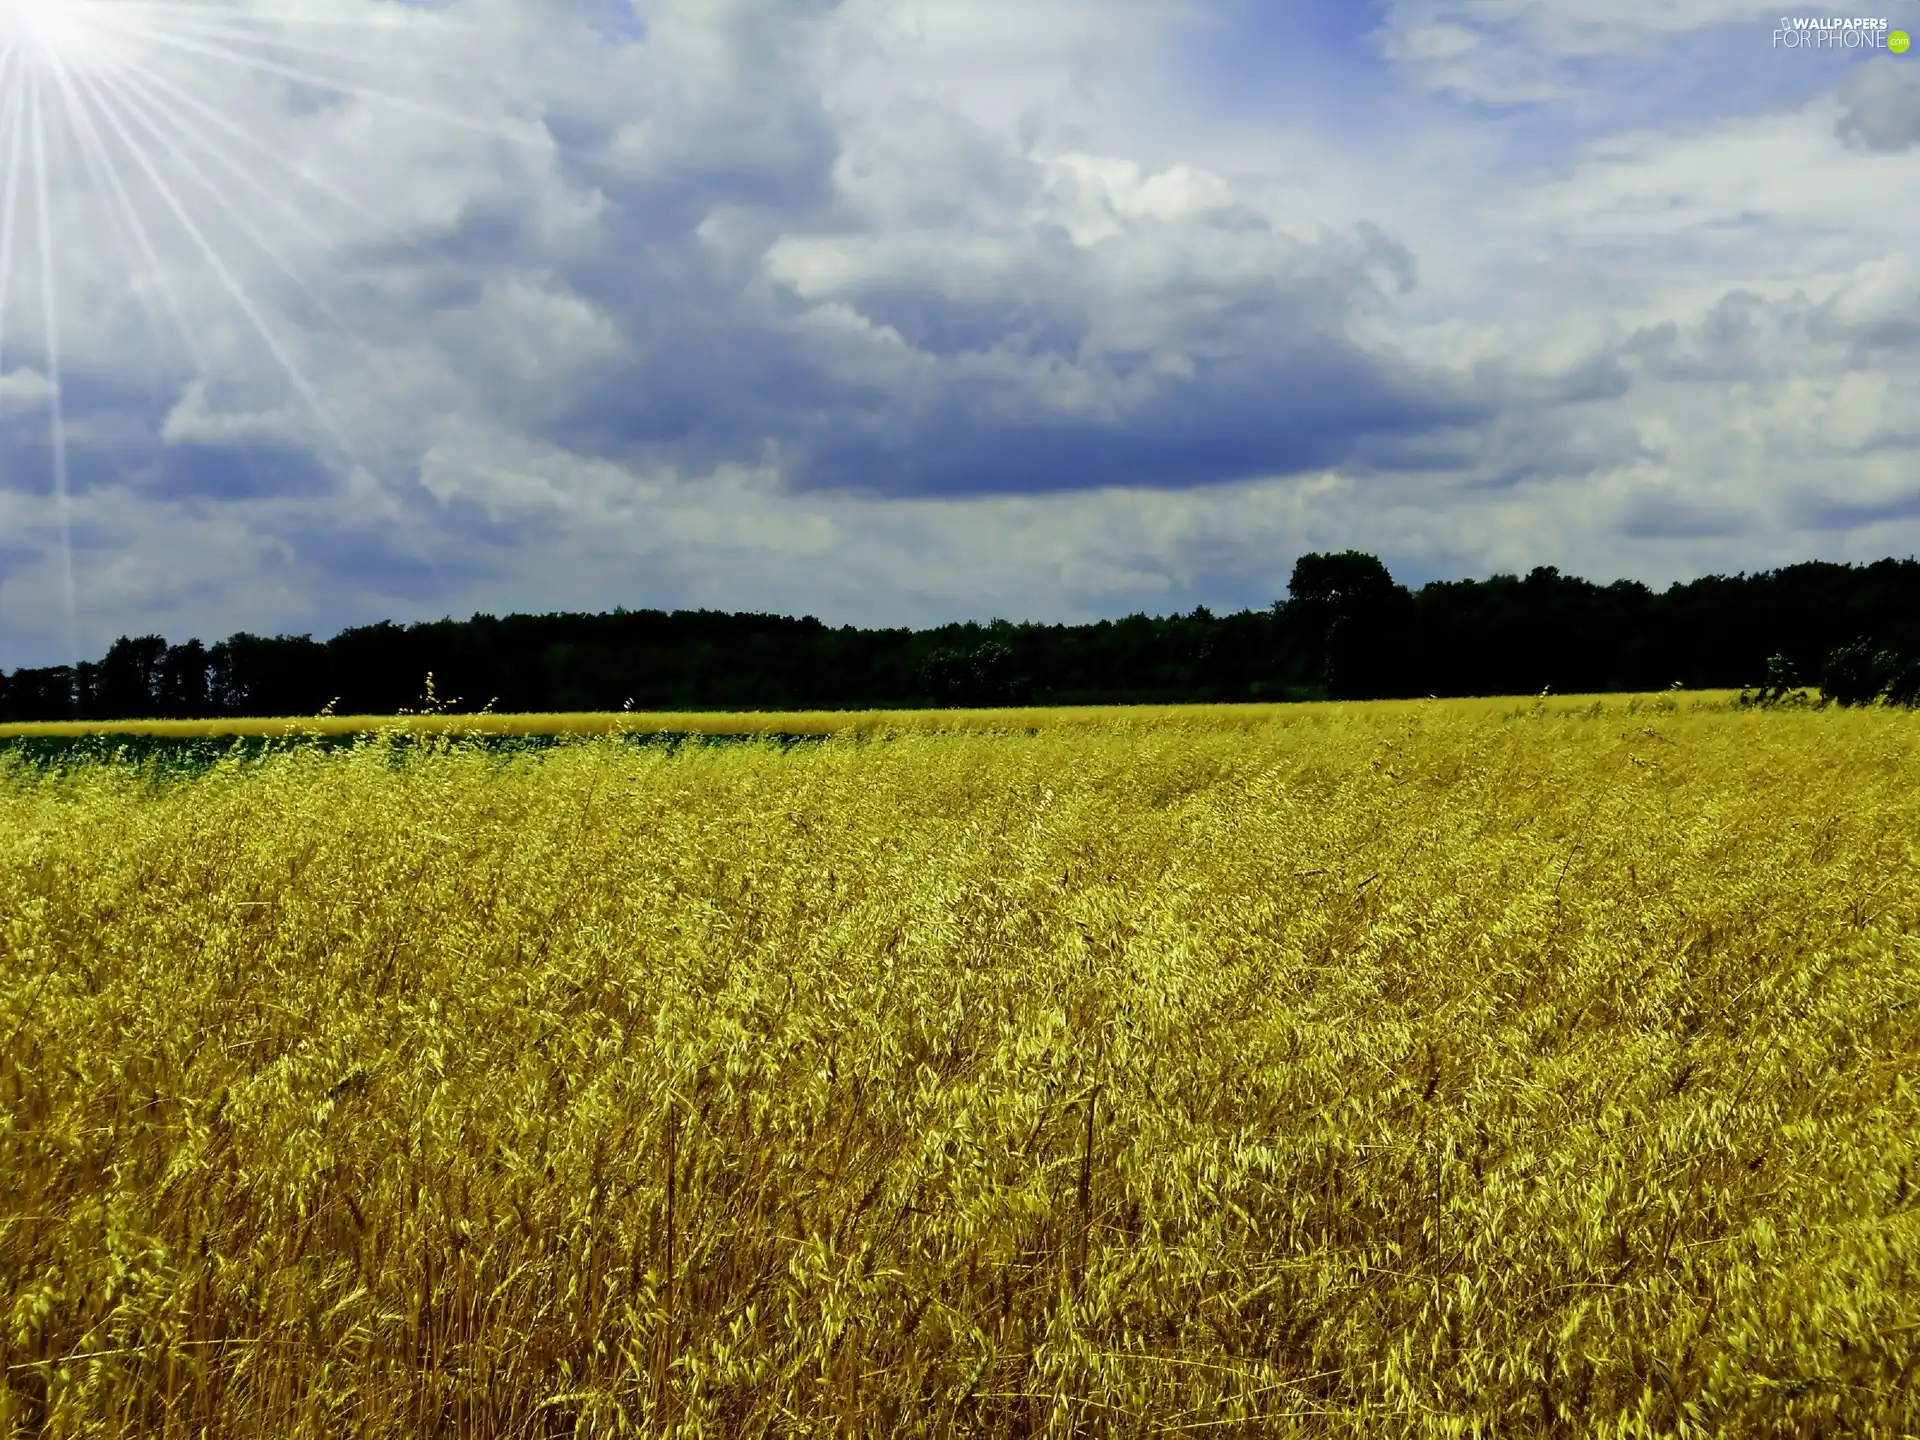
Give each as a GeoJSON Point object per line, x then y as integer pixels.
{"type": "Point", "coordinates": [379, 552]}
{"type": "Point", "coordinates": [1661, 517]}
{"type": "Point", "coordinates": [1823, 512]}
{"type": "Point", "coordinates": [1230, 420]}
{"type": "Point", "coordinates": [965, 343]}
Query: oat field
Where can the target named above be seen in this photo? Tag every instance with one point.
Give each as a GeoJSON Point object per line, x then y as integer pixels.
{"type": "Point", "coordinates": [1438, 1069]}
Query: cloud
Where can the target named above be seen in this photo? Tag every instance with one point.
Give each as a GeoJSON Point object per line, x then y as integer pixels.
{"type": "Point", "coordinates": [1522, 51]}
{"type": "Point", "coordinates": [896, 310]}
{"type": "Point", "coordinates": [1078, 322]}
{"type": "Point", "coordinates": [24, 389]}
{"type": "Point", "coordinates": [1879, 109]}
{"type": "Point", "coordinates": [1651, 514]}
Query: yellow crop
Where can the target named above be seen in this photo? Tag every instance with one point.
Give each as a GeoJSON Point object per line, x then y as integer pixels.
{"type": "Point", "coordinates": [782, 722]}
{"type": "Point", "coordinates": [1479, 1068]}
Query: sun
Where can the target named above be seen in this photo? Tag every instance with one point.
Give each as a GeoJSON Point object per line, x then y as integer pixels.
{"type": "Point", "coordinates": [59, 28]}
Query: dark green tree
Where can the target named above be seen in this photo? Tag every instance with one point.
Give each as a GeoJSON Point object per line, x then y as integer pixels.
{"type": "Point", "coordinates": [1859, 673]}
{"type": "Point", "coordinates": [1904, 688]}
{"type": "Point", "coordinates": [1781, 686]}
{"type": "Point", "coordinates": [257, 675]}
{"type": "Point", "coordinates": [41, 695]}
{"type": "Point", "coordinates": [985, 676]}
{"type": "Point", "coordinates": [126, 685]}
{"type": "Point", "coordinates": [1351, 614]}
{"type": "Point", "coordinates": [1347, 629]}
{"type": "Point", "coordinates": [183, 682]}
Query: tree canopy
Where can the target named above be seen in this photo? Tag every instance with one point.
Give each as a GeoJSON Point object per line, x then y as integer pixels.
{"type": "Point", "coordinates": [1346, 629]}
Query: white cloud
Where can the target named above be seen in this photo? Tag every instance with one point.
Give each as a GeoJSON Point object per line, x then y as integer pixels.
{"type": "Point", "coordinates": [1514, 51]}
{"type": "Point", "coordinates": [903, 309]}
{"type": "Point", "coordinates": [24, 389]}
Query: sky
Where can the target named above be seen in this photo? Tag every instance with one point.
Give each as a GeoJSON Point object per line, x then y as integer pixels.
{"type": "Point", "coordinates": [322, 312]}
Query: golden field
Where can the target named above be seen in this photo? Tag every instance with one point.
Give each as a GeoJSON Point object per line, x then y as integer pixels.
{"type": "Point", "coordinates": [761, 722]}
{"type": "Point", "coordinates": [1456, 1068]}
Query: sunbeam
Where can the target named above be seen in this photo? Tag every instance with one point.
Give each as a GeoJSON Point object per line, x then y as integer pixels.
{"type": "Point", "coordinates": [100, 159]}
{"type": "Point", "coordinates": [109, 103]}
{"type": "Point", "coordinates": [100, 156]}
{"type": "Point", "coordinates": [147, 115]}
{"type": "Point", "coordinates": [277, 37]}
{"type": "Point", "coordinates": [50, 312]}
{"type": "Point", "coordinates": [99, 165]}
{"type": "Point", "coordinates": [122, 205]}
{"type": "Point", "coordinates": [238, 294]}
{"type": "Point", "coordinates": [337, 86]}
{"type": "Point", "coordinates": [143, 81]}
{"type": "Point", "coordinates": [9, 203]}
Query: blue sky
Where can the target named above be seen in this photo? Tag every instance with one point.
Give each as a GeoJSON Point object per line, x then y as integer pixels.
{"type": "Point", "coordinates": [900, 311]}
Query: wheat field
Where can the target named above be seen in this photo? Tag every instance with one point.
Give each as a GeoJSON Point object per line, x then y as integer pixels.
{"type": "Point", "coordinates": [1408, 1069]}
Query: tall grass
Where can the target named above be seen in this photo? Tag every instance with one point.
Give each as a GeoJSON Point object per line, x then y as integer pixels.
{"type": "Point", "coordinates": [786, 722]}
{"type": "Point", "coordinates": [1378, 1070]}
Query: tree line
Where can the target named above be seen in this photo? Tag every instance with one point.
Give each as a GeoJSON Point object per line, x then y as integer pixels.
{"type": "Point", "coordinates": [1346, 630]}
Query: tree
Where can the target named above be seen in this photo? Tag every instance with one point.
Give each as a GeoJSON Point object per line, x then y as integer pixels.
{"type": "Point", "coordinates": [983, 676]}
{"type": "Point", "coordinates": [1354, 617]}
{"type": "Point", "coordinates": [126, 685]}
{"type": "Point", "coordinates": [1333, 585]}
{"type": "Point", "coordinates": [256, 676]}
{"type": "Point", "coordinates": [1346, 629]}
{"type": "Point", "coordinates": [183, 682]}
{"type": "Point", "coordinates": [1781, 687]}
{"type": "Point", "coordinates": [1858, 674]}
{"type": "Point", "coordinates": [1904, 688]}
{"type": "Point", "coordinates": [40, 695]}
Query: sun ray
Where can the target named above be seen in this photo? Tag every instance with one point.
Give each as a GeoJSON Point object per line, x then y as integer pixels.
{"type": "Point", "coordinates": [532, 135]}
{"type": "Point", "coordinates": [238, 294]}
{"type": "Point", "coordinates": [130, 212]}
{"type": "Point", "coordinates": [141, 82]}
{"type": "Point", "coordinates": [280, 38]}
{"type": "Point", "coordinates": [142, 79]}
{"type": "Point", "coordinates": [117, 104]}
{"type": "Point", "coordinates": [50, 313]}
{"type": "Point", "coordinates": [10, 126]}
{"type": "Point", "coordinates": [149, 114]}
{"type": "Point", "coordinates": [9, 204]}
{"type": "Point", "coordinates": [235, 213]}
{"type": "Point", "coordinates": [10, 201]}
{"type": "Point", "coordinates": [399, 16]}
{"type": "Point", "coordinates": [99, 165]}
{"type": "Point", "coordinates": [214, 260]}
{"type": "Point", "coordinates": [333, 84]}
{"type": "Point", "coordinates": [152, 115]}
{"type": "Point", "coordinates": [127, 210]}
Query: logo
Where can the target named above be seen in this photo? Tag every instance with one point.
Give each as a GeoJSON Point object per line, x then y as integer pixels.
{"type": "Point", "coordinates": [1810, 32]}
